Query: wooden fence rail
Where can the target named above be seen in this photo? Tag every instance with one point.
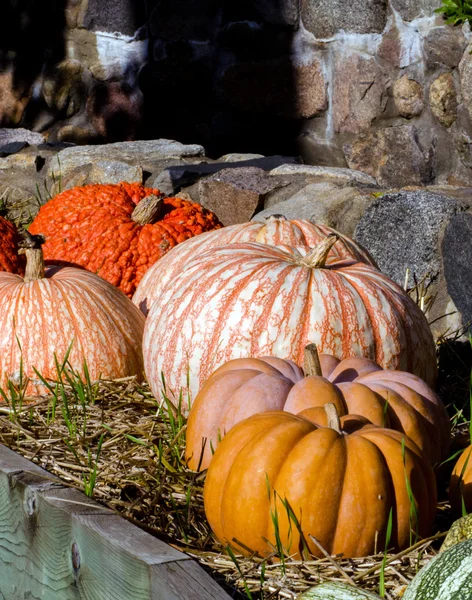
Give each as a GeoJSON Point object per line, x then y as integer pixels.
{"type": "Point", "coordinates": [58, 544]}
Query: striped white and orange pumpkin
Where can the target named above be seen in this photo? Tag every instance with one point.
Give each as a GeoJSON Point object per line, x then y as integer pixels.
{"type": "Point", "coordinates": [259, 300]}
{"type": "Point", "coordinates": [59, 308]}
{"type": "Point", "coordinates": [275, 230]}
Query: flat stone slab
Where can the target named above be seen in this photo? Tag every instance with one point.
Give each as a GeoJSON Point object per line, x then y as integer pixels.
{"type": "Point", "coordinates": [135, 153]}
{"type": "Point", "coordinates": [333, 174]}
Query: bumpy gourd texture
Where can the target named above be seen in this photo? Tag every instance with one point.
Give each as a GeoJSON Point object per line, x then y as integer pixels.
{"type": "Point", "coordinates": [91, 226]}
{"type": "Point", "coordinates": [9, 260]}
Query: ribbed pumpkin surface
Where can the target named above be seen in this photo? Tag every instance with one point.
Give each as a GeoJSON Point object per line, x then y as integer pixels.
{"type": "Point", "coordinates": [246, 386]}
{"type": "Point", "coordinates": [91, 226]}
{"type": "Point", "coordinates": [448, 576]}
{"type": "Point", "coordinates": [460, 489]}
{"type": "Point", "coordinates": [275, 230]}
{"type": "Point", "coordinates": [68, 306]}
{"type": "Point", "coordinates": [257, 300]}
{"type": "Point", "coordinates": [9, 259]}
{"type": "Point", "coordinates": [340, 487]}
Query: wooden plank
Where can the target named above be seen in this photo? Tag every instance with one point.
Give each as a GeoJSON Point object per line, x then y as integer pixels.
{"type": "Point", "coordinates": [58, 544]}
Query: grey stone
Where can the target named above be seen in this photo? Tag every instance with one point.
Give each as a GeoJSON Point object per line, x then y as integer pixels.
{"type": "Point", "coordinates": [408, 97]}
{"type": "Point", "coordinates": [18, 134]}
{"type": "Point", "coordinates": [465, 71]}
{"type": "Point", "coordinates": [339, 176]}
{"type": "Point", "coordinates": [238, 157]}
{"type": "Point", "coordinates": [324, 18]}
{"type": "Point", "coordinates": [444, 46]}
{"type": "Point", "coordinates": [457, 259]}
{"type": "Point", "coordinates": [12, 148]}
{"type": "Point", "coordinates": [141, 153]}
{"type": "Point", "coordinates": [175, 177]}
{"type": "Point", "coordinates": [393, 156]}
{"type": "Point", "coordinates": [113, 171]}
{"type": "Point", "coordinates": [443, 99]}
{"type": "Point", "coordinates": [235, 195]}
{"type": "Point", "coordinates": [403, 231]}
{"type": "Point", "coordinates": [119, 16]}
{"type": "Point", "coordinates": [326, 203]}
{"type": "Point", "coordinates": [359, 92]}
{"type": "Point", "coordinates": [411, 9]}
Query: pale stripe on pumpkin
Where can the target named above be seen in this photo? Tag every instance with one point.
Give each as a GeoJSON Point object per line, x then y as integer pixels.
{"type": "Point", "coordinates": [255, 300]}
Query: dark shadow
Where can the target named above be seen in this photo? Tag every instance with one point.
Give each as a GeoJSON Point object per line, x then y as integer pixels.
{"type": "Point", "coordinates": [218, 74]}
{"type": "Point", "coordinates": [31, 41]}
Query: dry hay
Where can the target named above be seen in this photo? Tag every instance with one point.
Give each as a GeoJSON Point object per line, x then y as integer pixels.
{"type": "Point", "coordinates": [116, 442]}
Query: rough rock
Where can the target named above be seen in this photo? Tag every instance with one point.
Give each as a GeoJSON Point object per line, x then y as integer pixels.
{"type": "Point", "coordinates": [444, 46]}
{"type": "Point", "coordinates": [465, 71]}
{"type": "Point", "coordinates": [411, 9]}
{"type": "Point", "coordinates": [235, 195]}
{"type": "Point", "coordinates": [13, 101]}
{"type": "Point", "coordinates": [338, 176]}
{"type": "Point", "coordinates": [115, 111]}
{"type": "Point", "coordinates": [408, 97]}
{"type": "Point", "coordinates": [443, 99]}
{"type": "Point", "coordinates": [403, 231]}
{"type": "Point", "coordinates": [457, 259]}
{"type": "Point", "coordinates": [393, 156]}
{"type": "Point", "coordinates": [63, 88]}
{"type": "Point", "coordinates": [277, 86]}
{"type": "Point", "coordinates": [324, 18]}
{"type": "Point", "coordinates": [174, 177]}
{"type": "Point", "coordinates": [119, 16]}
{"type": "Point", "coordinates": [359, 92]}
{"type": "Point", "coordinates": [144, 153]}
{"type": "Point", "coordinates": [326, 203]}
{"type": "Point", "coordinates": [19, 134]}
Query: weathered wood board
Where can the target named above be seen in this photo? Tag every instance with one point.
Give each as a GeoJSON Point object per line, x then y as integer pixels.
{"type": "Point", "coordinates": [58, 544]}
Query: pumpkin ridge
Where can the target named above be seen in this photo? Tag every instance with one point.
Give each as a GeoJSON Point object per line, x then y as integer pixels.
{"type": "Point", "coordinates": [262, 324]}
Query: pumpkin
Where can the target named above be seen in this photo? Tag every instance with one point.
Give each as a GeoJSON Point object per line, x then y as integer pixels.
{"type": "Point", "coordinates": [54, 310]}
{"type": "Point", "coordinates": [337, 590]}
{"type": "Point", "coordinates": [459, 531]}
{"type": "Point", "coordinates": [340, 484]}
{"type": "Point", "coordinates": [245, 386]}
{"type": "Point", "coordinates": [9, 259]}
{"type": "Point", "coordinates": [275, 230]}
{"type": "Point", "coordinates": [447, 576]}
{"type": "Point", "coordinates": [117, 231]}
{"type": "Point", "coordinates": [257, 300]}
{"type": "Point", "coordinates": [460, 488]}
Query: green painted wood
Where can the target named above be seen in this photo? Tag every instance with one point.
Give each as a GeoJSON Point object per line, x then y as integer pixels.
{"type": "Point", "coordinates": [58, 544]}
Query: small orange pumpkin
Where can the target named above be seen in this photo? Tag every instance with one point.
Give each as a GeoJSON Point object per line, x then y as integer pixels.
{"type": "Point", "coordinates": [341, 486]}
{"type": "Point", "coordinates": [245, 386]}
{"type": "Point", "coordinates": [460, 488]}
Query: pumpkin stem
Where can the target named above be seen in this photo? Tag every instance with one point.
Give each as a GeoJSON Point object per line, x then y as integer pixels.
{"type": "Point", "coordinates": [333, 417]}
{"type": "Point", "coordinates": [31, 246]}
{"type": "Point", "coordinates": [318, 256]}
{"type": "Point", "coordinates": [311, 361]}
{"type": "Point", "coordinates": [148, 210]}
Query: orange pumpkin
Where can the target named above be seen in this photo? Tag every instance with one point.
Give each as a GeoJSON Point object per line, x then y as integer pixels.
{"type": "Point", "coordinates": [118, 230]}
{"type": "Point", "coordinates": [246, 386]}
{"type": "Point", "coordinates": [340, 485]}
{"type": "Point", "coordinates": [9, 259]}
{"type": "Point", "coordinates": [56, 309]}
{"type": "Point", "coordinates": [460, 488]}
{"type": "Point", "coordinates": [257, 300]}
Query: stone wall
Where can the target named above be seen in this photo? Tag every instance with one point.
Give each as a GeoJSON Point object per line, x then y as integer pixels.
{"type": "Point", "coordinates": [382, 86]}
